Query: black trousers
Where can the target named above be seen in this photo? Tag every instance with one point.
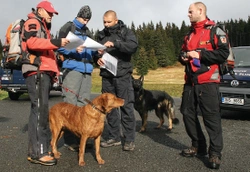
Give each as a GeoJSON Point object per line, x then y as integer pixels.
{"type": "Point", "coordinates": [38, 127]}
{"type": "Point", "coordinates": [122, 87]}
{"type": "Point", "coordinates": [206, 97]}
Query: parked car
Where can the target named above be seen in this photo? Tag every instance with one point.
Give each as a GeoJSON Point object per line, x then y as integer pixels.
{"type": "Point", "coordinates": [13, 82]}
{"type": "Point", "coordinates": [235, 93]}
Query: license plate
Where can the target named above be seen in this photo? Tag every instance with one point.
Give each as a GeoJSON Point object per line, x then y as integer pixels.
{"type": "Point", "coordinates": [232, 101]}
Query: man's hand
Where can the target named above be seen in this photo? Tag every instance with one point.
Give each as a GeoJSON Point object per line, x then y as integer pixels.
{"type": "Point", "coordinates": [109, 44]}
{"type": "Point", "coordinates": [80, 49]}
{"type": "Point", "coordinates": [193, 54]}
{"type": "Point", "coordinates": [64, 42]}
{"type": "Point", "coordinates": [100, 62]}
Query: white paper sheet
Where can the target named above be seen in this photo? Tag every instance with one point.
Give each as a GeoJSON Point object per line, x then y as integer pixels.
{"type": "Point", "coordinates": [93, 45]}
{"type": "Point", "coordinates": [110, 63]}
{"type": "Point", "coordinates": [75, 41]}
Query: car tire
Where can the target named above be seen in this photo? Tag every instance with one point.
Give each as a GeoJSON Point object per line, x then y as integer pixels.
{"type": "Point", "coordinates": [14, 96]}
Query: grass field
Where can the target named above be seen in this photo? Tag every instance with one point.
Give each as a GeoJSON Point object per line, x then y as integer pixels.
{"type": "Point", "coordinates": [168, 79]}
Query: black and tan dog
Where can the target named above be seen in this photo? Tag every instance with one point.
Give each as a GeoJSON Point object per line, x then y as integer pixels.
{"type": "Point", "coordinates": [147, 100]}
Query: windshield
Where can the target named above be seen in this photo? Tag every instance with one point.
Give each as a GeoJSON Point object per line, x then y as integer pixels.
{"type": "Point", "coordinates": [242, 57]}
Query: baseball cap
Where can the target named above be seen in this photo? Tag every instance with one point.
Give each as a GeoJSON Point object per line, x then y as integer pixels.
{"type": "Point", "coordinates": [85, 12]}
{"type": "Point", "coordinates": [47, 6]}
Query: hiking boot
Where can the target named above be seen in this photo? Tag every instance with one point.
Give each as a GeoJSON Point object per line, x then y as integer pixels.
{"type": "Point", "coordinates": [193, 151]}
{"type": "Point", "coordinates": [72, 147]}
{"type": "Point", "coordinates": [214, 162]}
{"type": "Point", "coordinates": [110, 142]}
{"type": "Point", "coordinates": [129, 146]}
{"type": "Point", "coordinates": [45, 160]}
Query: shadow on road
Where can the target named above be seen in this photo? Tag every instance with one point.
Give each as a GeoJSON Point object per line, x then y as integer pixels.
{"type": "Point", "coordinates": [235, 115]}
{"type": "Point", "coordinates": [162, 135]}
{"type": "Point", "coordinates": [4, 119]}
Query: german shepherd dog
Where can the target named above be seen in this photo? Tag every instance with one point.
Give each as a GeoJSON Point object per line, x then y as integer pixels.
{"type": "Point", "coordinates": [147, 100]}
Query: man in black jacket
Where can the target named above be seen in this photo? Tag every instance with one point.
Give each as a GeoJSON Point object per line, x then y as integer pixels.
{"type": "Point", "coordinates": [121, 43]}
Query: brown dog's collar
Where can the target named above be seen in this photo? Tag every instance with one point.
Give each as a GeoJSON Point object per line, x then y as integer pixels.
{"type": "Point", "coordinates": [94, 107]}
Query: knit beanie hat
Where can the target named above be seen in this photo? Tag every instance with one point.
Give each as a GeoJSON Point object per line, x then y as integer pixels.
{"type": "Point", "coordinates": [85, 12]}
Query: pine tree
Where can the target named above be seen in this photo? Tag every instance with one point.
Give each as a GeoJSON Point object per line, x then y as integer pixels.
{"type": "Point", "coordinates": [142, 63]}
{"type": "Point", "coordinates": [1, 50]}
{"type": "Point", "coordinates": [153, 62]}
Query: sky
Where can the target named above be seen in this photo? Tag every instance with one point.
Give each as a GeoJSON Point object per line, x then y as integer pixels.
{"type": "Point", "coordinates": [137, 11]}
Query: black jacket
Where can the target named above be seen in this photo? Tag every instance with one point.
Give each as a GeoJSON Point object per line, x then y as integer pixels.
{"type": "Point", "coordinates": [125, 44]}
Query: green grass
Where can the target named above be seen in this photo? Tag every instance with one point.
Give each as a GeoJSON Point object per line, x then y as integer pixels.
{"type": "Point", "coordinates": [174, 90]}
{"type": "Point", "coordinates": [3, 94]}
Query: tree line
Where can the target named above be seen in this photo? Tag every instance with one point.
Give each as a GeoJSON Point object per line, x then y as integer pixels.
{"type": "Point", "coordinates": [159, 45]}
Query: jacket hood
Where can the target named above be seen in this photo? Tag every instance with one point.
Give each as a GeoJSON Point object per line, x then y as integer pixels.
{"type": "Point", "coordinates": [114, 29]}
{"type": "Point", "coordinates": [205, 23]}
{"type": "Point", "coordinates": [33, 15]}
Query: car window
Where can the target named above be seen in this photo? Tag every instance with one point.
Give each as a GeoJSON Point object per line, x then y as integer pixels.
{"type": "Point", "coordinates": [242, 57]}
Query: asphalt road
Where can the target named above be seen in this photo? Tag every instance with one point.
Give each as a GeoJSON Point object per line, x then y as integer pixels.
{"type": "Point", "coordinates": [156, 150]}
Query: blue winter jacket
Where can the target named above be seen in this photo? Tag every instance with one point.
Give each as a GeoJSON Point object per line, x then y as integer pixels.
{"type": "Point", "coordinates": [81, 62]}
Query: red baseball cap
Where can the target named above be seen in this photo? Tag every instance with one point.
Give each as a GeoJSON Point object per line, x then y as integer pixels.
{"type": "Point", "coordinates": [47, 6]}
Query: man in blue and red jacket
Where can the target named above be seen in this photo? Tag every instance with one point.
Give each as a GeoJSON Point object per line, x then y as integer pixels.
{"type": "Point", "coordinates": [201, 88]}
{"type": "Point", "coordinates": [39, 73]}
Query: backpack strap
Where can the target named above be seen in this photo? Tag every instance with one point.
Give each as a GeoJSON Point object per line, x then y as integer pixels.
{"type": "Point", "coordinates": [217, 30]}
{"type": "Point", "coordinates": [212, 33]}
{"type": "Point", "coordinates": [33, 57]}
{"type": "Point", "coordinates": [65, 29]}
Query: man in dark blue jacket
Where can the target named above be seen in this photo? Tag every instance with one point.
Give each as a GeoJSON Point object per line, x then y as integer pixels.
{"type": "Point", "coordinates": [77, 68]}
{"type": "Point", "coordinates": [121, 43]}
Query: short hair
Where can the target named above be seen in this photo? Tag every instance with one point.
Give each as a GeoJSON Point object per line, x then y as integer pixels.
{"type": "Point", "coordinates": [201, 5]}
{"type": "Point", "coordinates": [110, 12]}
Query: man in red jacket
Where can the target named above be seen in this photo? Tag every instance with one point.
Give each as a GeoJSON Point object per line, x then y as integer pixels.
{"type": "Point", "coordinates": [201, 88]}
{"type": "Point", "coordinates": [39, 69]}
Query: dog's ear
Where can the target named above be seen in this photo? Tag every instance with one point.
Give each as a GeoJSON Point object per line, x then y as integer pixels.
{"type": "Point", "coordinates": [141, 78]}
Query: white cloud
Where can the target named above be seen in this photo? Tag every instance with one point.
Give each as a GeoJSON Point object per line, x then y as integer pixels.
{"type": "Point", "coordinates": [138, 11]}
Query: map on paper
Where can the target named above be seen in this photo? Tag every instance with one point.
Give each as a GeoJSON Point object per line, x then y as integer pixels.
{"type": "Point", "coordinates": [110, 63]}
{"type": "Point", "coordinates": [89, 43]}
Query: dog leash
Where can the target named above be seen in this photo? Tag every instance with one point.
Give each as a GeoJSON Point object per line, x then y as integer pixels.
{"type": "Point", "coordinates": [86, 100]}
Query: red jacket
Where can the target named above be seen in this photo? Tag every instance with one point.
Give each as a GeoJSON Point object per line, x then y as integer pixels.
{"type": "Point", "coordinates": [38, 40]}
{"type": "Point", "coordinates": [198, 39]}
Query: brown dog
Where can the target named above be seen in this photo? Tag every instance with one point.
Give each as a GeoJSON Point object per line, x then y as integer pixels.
{"type": "Point", "coordinates": [85, 122]}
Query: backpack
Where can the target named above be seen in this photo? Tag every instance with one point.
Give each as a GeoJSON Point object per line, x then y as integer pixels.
{"type": "Point", "coordinates": [12, 48]}
{"type": "Point", "coordinates": [228, 65]}
{"type": "Point", "coordinates": [15, 54]}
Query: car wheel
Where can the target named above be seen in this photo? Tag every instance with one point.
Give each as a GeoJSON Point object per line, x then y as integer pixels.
{"type": "Point", "coordinates": [14, 96]}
